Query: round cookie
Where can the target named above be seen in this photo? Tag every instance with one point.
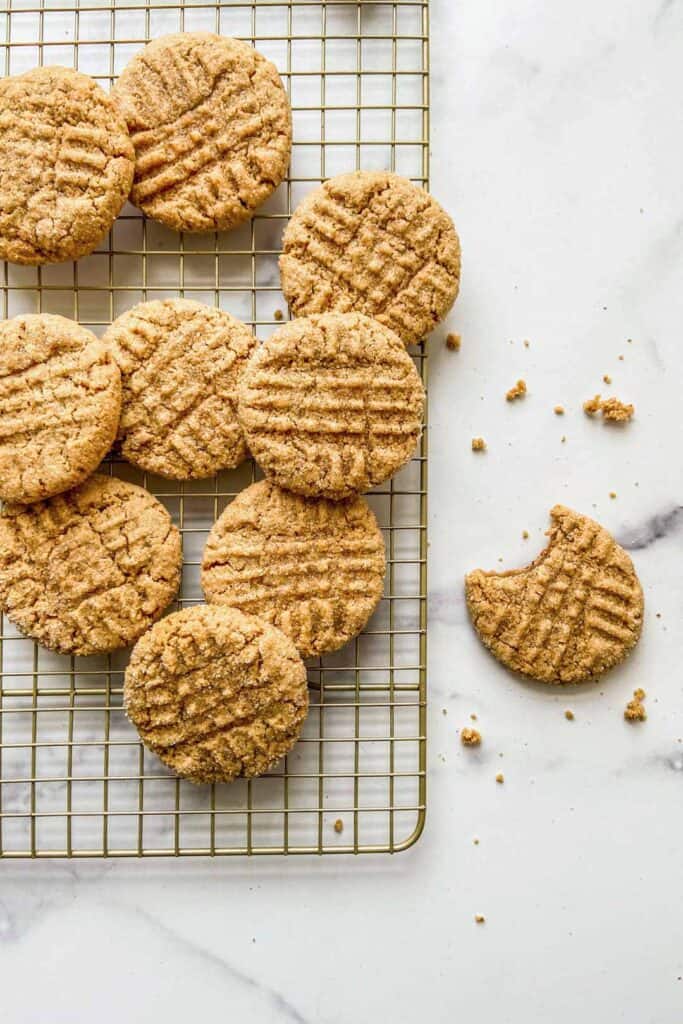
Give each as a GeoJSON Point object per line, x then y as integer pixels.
{"type": "Point", "coordinates": [331, 405]}
{"type": "Point", "coordinates": [180, 362]}
{"type": "Point", "coordinates": [211, 125]}
{"type": "Point", "coordinates": [576, 611]}
{"type": "Point", "coordinates": [313, 568]}
{"type": "Point", "coordinates": [216, 694]}
{"type": "Point", "coordinates": [66, 165]}
{"type": "Point", "coordinates": [373, 242]}
{"type": "Point", "coordinates": [88, 571]}
{"type": "Point", "coordinates": [60, 400]}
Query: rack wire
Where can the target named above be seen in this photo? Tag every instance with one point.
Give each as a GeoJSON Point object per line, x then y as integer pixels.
{"type": "Point", "coordinates": [74, 779]}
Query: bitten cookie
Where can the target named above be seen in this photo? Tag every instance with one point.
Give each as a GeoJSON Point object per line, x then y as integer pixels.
{"type": "Point", "coordinates": [216, 694]}
{"type": "Point", "coordinates": [313, 568]}
{"type": "Point", "coordinates": [60, 400]}
{"type": "Point", "coordinates": [66, 165]}
{"type": "Point", "coordinates": [211, 125]}
{"type": "Point", "coordinates": [180, 362]}
{"type": "Point", "coordinates": [373, 242]}
{"type": "Point", "coordinates": [90, 570]}
{"type": "Point", "coordinates": [576, 611]}
{"type": "Point", "coordinates": [331, 405]}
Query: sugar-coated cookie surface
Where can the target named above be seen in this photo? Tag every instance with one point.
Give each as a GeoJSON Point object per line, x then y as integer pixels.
{"type": "Point", "coordinates": [576, 611]}
{"type": "Point", "coordinates": [312, 567]}
{"type": "Point", "coordinates": [60, 400]}
{"type": "Point", "coordinates": [331, 405]}
{"type": "Point", "coordinates": [88, 571]}
{"type": "Point", "coordinates": [373, 242]}
{"type": "Point", "coordinates": [216, 694]}
{"type": "Point", "coordinates": [180, 362]}
{"type": "Point", "coordinates": [66, 165]}
{"type": "Point", "coordinates": [211, 125]}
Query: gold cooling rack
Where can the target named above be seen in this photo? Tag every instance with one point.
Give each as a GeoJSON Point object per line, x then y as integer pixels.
{"type": "Point", "coordinates": [74, 780]}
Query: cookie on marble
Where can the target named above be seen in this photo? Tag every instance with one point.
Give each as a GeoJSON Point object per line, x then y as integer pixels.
{"type": "Point", "coordinates": [180, 362]}
{"type": "Point", "coordinates": [66, 165]}
{"type": "Point", "coordinates": [331, 405]}
{"type": "Point", "coordinates": [216, 694]}
{"type": "Point", "coordinates": [313, 568]}
{"type": "Point", "coordinates": [372, 242]}
{"type": "Point", "coordinates": [60, 401]}
{"type": "Point", "coordinates": [575, 612]}
{"type": "Point", "coordinates": [90, 570]}
{"type": "Point", "coordinates": [211, 126]}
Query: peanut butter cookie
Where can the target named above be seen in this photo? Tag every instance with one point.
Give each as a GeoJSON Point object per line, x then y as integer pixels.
{"type": "Point", "coordinates": [60, 399]}
{"type": "Point", "coordinates": [313, 568]}
{"type": "Point", "coordinates": [331, 405]}
{"type": "Point", "coordinates": [216, 694]}
{"type": "Point", "coordinates": [576, 611]}
{"type": "Point", "coordinates": [66, 165]}
{"type": "Point", "coordinates": [88, 571]}
{"type": "Point", "coordinates": [211, 126]}
{"type": "Point", "coordinates": [180, 362]}
{"type": "Point", "coordinates": [373, 242]}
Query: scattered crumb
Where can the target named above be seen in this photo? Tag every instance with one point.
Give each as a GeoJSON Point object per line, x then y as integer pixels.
{"type": "Point", "coordinates": [444, 711]}
{"type": "Point", "coordinates": [629, 341]}
{"type": "Point", "coordinates": [592, 405]}
{"type": "Point", "coordinates": [612, 409]}
{"type": "Point", "coordinates": [559, 410]}
{"type": "Point", "coordinates": [612, 494]}
{"type": "Point", "coordinates": [616, 411]}
{"type": "Point", "coordinates": [525, 534]}
{"type": "Point", "coordinates": [500, 778]}
{"type": "Point", "coordinates": [569, 715]}
{"type": "Point", "coordinates": [607, 379]}
{"type": "Point", "coordinates": [526, 343]}
{"type": "Point", "coordinates": [278, 314]}
{"type": "Point", "coordinates": [621, 357]}
{"type": "Point", "coordinates": [635, 709]}
{"type": "Point", "coordinates": [339, 825]}
{"type": "Point", "coordinates": [658, 615]}
{"type": "Point", "coordinates": [563, 439]}
{"type": "Point", "coordinates": [470, 737]}
{"type": "Point", "coordinates": [517, 391]}
{"type": "Point", "coordinates": [478, 444]}
{"type": "Point", "coordinates": [479, 918]}
{"type": "Point", "coordinates": [476, 841]}
{"type": "Point", "coordinates": [473, 717]}
{"type": "Point", "coordinates": [453, 342]}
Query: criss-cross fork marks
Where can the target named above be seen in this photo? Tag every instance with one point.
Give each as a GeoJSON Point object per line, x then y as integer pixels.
{"type": "Point", "coordinates": [573, 613]}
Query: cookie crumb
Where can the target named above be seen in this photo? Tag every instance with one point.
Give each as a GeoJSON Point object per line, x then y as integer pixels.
{"type": "Point", "coordinates": [473, 717]}
{"type": "Point", "coordinates": [526, 343]}
{"type": "Point", "coordinates": [607, 379]}
{"type": "Point", "coordinates": [613, 494]}
{"type": "Point", "coordinates": [525, 534]}
{"type": "Point", "coordinates": [517, 391]}
{"type": "Point", "coordinates": [444, 711]}
{"type": "Point", "coordinates": [478, 444]}
{"type": "Point", "coordinates": [453, 342]}
{"type": "Point", "coordinates": [339, 825]}
{"type": "Point", "coordinates": [621, 357]}
{"type": "Point", "coordinates": [500, 778]}
{"type": "Point", "coordinates": [617, 412]}
{"type": "Point", "coordinates": [592, 405]}
{"type": "Point", "coordinates": [278, 314]}
{"type": "Point", "coordinates": [470, 737]}
{"type": "Point", "coordinates": [479, 918]}
{"type": "Point", "coordinates": [563, 439]}
{"type": "Point", "coordinates": [476, 841]}
{"type": "Point", "coordinates": [559, 410]}
{"type": "Point", "coordinates": [635, 710]}
{"type": "Point", "coordinates": [569, 715]}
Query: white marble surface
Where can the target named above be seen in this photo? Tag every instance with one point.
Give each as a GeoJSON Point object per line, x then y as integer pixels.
{"type": "Point", "coordinates": [556, 145]}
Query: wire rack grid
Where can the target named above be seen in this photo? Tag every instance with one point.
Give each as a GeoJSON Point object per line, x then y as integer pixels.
{"type": "Point", "coordinates": [74, 779]}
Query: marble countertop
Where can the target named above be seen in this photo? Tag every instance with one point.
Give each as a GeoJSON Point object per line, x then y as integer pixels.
{"type": "Point", "coordinates": [556, 145]}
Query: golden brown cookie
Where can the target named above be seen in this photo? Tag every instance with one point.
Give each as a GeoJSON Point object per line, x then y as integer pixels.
{"type": "Point", "coordinates": [576, 611]}
{"type": "Point", "coordinates": [313, 568]}
{"type": "Point", "coordinates": [88, 571]}
{"type": "Point", "coordinates": [331, 405]}
{"type": "Point", "coordinates": [211, 125]}
{"type": "Point", "coordinates": [66, 165]}
{"type": "Point", "coordinates": [180, 362]}
{"type": "Point", "coordinates": [216, 694]}
{"type": "Point", "coordinates": [373, 242]}
{"type": "Point", "coordinates": [60, 400]}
